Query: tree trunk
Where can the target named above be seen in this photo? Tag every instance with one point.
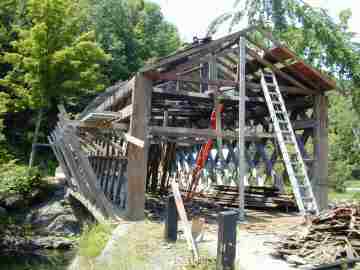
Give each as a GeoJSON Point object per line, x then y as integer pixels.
{"type": "Point", "coordinates": [35, 138]}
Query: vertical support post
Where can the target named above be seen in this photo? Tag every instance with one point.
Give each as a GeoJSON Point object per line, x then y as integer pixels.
{"type": "Point", "coordinates": [242, 110]}
{"type": "Point", "coordinates": [213, 75]}
{"type": "Point", "coordinates": [226, 250]}
{"type": "Point", "coordinates": [171, 221]}
{"type": "Point", "coordinates": [204, 74]}
{"type": "Point", "coordinates": [321, 149]}
{"type": "Point", "coordinates": [137, 156]}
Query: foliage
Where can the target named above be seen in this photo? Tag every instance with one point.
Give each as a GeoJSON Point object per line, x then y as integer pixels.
{"type": "Point", "coordinates": [54, 58]}
{"type": "Point", "coordinates": [93, 240]}
{"type": "Point", "coordinates": [312, 33]}
{"type": "Point", "coordinates": [16, 178]}
{"type": "Point", "coordinates": [132, 32]}
{"type": "Point", "coordinates": [343, 154]}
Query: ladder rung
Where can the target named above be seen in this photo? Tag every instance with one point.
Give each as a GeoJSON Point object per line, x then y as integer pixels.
{"type": "Point", "coordinates": [308, 199]}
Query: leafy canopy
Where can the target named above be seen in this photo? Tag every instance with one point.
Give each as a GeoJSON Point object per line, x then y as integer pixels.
{"type": "Point", "coordinates": [133, 32]}
{"type": "Point", "coordinates": [54, 57]}
{"type": "Point", "coordinates": [311, 33]}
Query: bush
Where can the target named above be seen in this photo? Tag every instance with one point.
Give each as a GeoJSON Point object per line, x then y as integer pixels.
{"type": "Point", "coordinates": [15, 178]}
{"type": "Point", "coordinates": [340, 172]}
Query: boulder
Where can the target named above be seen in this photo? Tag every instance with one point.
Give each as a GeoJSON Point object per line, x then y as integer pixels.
{"type": "Point", "coordinates": [55, 217]}
{"type": "Point", "coordinates": [64, 225]}
{"type": "Point", "coordinates": [52, 242]}
{"type": "Point", "coordinates": [14, 201]}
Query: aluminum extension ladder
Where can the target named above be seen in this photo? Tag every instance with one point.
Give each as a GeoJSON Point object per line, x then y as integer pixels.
{"type": "Point", "coordinates": [289, 148]}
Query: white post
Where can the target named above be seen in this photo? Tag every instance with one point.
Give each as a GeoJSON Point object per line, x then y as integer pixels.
{"type": "Point", "coordinates": [242, 109]}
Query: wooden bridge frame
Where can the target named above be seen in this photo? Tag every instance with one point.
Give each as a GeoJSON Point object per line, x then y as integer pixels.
{"type": "Point", "coordinates": [118, 146]}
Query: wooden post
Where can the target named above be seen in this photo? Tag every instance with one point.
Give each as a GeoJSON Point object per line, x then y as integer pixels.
{"type": "Point", "coordinates": [204, 74]}
{"type": "Point", "coordinates": [242, 110]}
{"type": "Point", "coordinates": [137, 156]}
{"type": "Point", "coordinates": [226, 251]}
{"type": "Point", "coordinates": [321, 148]}
{"type": "Point", "coordinates": [171, 221]}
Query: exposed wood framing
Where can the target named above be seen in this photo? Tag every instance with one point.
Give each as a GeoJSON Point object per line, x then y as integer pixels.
{"type": "Point", "coordinates": [242, 117]}
{"type": "Point", "coordinates": [321, 149]}
{"type": "Point", "coordinates": [137, 156]}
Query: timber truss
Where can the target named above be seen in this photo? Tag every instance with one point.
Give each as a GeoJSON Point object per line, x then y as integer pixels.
{"type": "Point", "coordinates": [141, 134]}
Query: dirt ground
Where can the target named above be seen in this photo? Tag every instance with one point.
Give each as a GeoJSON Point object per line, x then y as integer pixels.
{"type": "Point", "coordinates": [254, 238]}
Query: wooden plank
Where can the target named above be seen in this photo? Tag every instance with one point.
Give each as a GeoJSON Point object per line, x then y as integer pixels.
{"type": "Point", "coordinates": [123, 92]}
{"type": "Point", "coordinates": [124, 113]}
{"type": "Point", "coordinates": [242, 125]}
{"type": "Point", "coordinates": [95, 125]}
{"type": "Point", "coordinates": [101, 200]}
{"type": "Point", "coordinates": [321, 152]}
{"type": "Point", "coordinates": [133, 140]}
{"type": "Point", "coordinates": [205, 49]}
{"type": "Point", "coordinates": [281, 73]}
{"type": "Point", "coordinates": [203, 133]}
{"type": "Point", "coordinates": [137, 156]}
{"type": "Point", "coordinates": [321, 75]}
{"type": "Point", "coordinates": [190, 132]}
{"type": "Point", "coordinates": [207, 96]}
{"type": "Point", "coordinates": [182, 213]}
{"type": "Point", "coordinates": [171, 76]}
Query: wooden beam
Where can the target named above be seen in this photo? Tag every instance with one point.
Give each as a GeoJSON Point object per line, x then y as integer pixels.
{"type": "Point", "coordinates": [242, 118]}
{"type": "Point", "coordinates": [123, 92]}
{"type": "Point", "coordinates": [202, 49]}
{"type": "Point", "coordinates": [304, 124]}
{"type": "Point", "coordinates": [201, 96]}
{"type": "Point", "coordinates": [203, 133]}
{"type": "Point", "coordinates": [280, 65]}
{"type": "Point", "coordinates": [124, 113]}
{"type": "Point", "coordinates": [137, 156]}
{"type": "Point", "coordinates": [321, 151]}
{"type": "Point", "coordinates": [100, 124]}
{"type": "Point", "coordinates": [171, 76]}
{"type": "Point", "coordinates": [281, 73]}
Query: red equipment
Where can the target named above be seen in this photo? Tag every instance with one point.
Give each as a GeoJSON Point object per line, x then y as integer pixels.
{"type": "Point", "coordinates": [202, 156]}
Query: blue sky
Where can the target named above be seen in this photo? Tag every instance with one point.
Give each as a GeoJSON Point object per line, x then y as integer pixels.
{"type": "Point", "coordinates": [192, 17]}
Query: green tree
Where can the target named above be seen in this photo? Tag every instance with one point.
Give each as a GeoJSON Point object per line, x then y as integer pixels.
{"type": "Point", "coordinates": [55, 58]}
{"type": "Point", "coordinates": [133, 32]}
{"type": "Point", "coordinates": [8, 10]}
{"type": "Point", "coordinates": [311, 33]}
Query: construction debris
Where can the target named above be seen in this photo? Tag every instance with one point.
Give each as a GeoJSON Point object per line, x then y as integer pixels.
{"type": "Point", "coordinates": [330, 236]}
{"type": "Point", "coordinates": [255, 197]}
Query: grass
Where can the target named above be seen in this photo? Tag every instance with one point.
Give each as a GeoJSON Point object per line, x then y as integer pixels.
{"type": "Point", "coordinates": [142, 247]}
{"type": "Point", "coordinates": [93, 240]}
{"type": "Point", "coordinates": [344, 196]}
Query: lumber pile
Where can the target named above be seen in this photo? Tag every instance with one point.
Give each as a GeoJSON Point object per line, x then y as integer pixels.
{"type": "Point", "coordinates": [255, 197]}
{"type": "Point", "coordinates": [332, 235]}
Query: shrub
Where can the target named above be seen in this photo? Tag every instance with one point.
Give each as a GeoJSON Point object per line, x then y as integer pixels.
{"type": "Point", "coordinates": [339, 173]}
{"type": "Point", "coordinates": [15, 178]}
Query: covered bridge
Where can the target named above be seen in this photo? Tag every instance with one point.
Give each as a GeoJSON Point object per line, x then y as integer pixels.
{"type": "Point", "coordinates": [145, 132]}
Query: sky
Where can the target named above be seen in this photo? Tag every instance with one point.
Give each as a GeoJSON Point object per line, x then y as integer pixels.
{"type": "Point", "coordinates": [192, 17]}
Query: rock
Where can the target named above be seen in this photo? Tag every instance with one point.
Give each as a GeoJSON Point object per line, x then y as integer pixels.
{"type": "Point", "coordinates": [55, 217]}
{"type": "Point", "coordinates": [64, 225]}
{"type": "Point", "coordinates": [3, 212]}
{"type": "Point", "coordinates": [52, 242]}
{"type": "Point", "coordinates": [14, 201]}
